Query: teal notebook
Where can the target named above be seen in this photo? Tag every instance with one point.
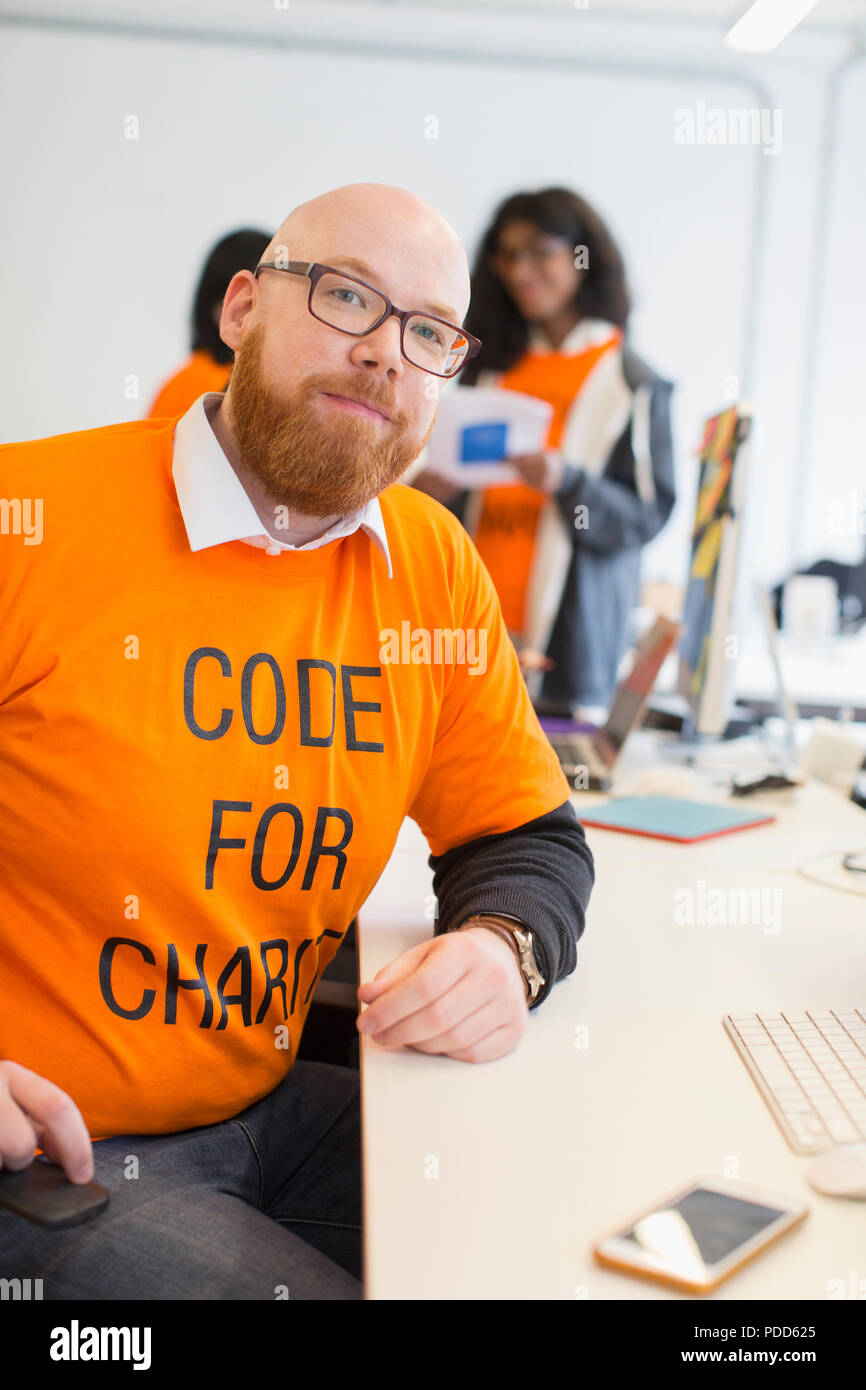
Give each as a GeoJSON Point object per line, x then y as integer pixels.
{"type": "Point", "coordinates": [672, 818]}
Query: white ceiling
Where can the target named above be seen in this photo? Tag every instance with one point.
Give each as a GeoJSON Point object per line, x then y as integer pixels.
{"type": "Point", "coordinates": [827, 13]}
{"type": "Point", "coordinates": [707, 14]}
{"type": "Point", "coordinates": [486, 26]}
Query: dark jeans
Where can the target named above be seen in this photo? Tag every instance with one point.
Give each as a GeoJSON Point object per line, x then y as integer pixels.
{"type": "Point", "coordinates": [262, 1206]}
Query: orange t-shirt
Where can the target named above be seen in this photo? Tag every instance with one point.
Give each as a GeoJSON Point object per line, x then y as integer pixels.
{"type": "Point", "coordinates": [205, 758]}
{"type": "Point", "coordinates": [200, 374]}
{"type": "Point", "coordinates": [505, 534]}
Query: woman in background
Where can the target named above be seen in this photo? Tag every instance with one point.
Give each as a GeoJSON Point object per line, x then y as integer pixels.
{"type": "Point", "coordinates": [209, 367]}
{"type": "Point", "coordinates": [550, 304]}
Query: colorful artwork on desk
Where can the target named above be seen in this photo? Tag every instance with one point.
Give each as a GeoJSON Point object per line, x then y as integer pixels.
{"type": "Point", "coordinates": [712, 515]}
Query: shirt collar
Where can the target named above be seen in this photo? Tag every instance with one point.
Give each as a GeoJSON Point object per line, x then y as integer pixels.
{"type": "Point", "coordinates": [215, 506]}
{"type": "Point", "coordinates": [586, 333]}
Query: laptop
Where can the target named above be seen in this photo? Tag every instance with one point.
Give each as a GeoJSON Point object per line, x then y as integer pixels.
{"type": "Point", "coordinates": [588, 752]}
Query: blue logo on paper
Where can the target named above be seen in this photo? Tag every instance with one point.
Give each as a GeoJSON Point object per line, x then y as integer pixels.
{"type": "Point", "coordinates": [483, 443]}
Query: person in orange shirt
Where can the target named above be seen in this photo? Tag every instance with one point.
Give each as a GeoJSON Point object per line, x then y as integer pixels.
{"type": "Point", "coordinates": [210, 735]}
{"type": "Point", "coordinates": [550, 303]}
{"type": "Point", "coordinates": [210, 363]}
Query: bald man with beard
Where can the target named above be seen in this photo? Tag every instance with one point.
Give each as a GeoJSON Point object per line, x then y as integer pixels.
{"type": "Point", "coordinates": [223, 685]}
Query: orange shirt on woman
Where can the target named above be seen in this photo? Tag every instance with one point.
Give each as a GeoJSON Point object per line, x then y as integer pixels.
{"type": "Point", "coordinates": [505, 537]}
{"type": "Point", "coordinates": [200, 374]}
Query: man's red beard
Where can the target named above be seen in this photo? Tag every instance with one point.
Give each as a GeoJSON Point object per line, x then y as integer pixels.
{"type": "Point", "coordinates": [312, 465]}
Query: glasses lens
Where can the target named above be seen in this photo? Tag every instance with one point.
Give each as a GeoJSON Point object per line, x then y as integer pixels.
{"type": "Point", "coordinates": [435, 346]}
{"type": "Point", "coordinates": [537, 253]}
{"type": "Point", "coordinates": [345, 304]}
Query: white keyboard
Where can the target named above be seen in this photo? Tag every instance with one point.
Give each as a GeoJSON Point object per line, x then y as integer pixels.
{"type": "Point", "coordinates": [810, 1067]}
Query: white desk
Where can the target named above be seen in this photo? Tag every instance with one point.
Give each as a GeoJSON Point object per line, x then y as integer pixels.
{"type": "Point", "coordinates": [540, 1152]}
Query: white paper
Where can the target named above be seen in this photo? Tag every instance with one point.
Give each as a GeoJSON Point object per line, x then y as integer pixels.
{"type": "Point", "coordinates": [479, 425]}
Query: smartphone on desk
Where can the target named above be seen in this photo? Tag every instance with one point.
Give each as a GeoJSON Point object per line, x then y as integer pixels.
{"type": "Point", "coordinates": [700, 1235]}
{"type": "Point", "coordinates": [42, 1192]}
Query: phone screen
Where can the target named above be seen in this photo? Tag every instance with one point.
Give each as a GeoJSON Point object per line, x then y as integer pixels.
{"type": "Point", "coordinates": [703, 1226]}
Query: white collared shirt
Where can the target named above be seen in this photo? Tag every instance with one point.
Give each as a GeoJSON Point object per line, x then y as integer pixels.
{"type": "Point", "coordinates": [215, 506]}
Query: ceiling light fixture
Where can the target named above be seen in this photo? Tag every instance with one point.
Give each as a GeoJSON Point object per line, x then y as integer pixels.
{"type": "Point", "coordinates": [766, 23]}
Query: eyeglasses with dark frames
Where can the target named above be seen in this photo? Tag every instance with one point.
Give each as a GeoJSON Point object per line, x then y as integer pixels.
{"type": "Point", "coordinates": [352, 306]}
{"type": "Point", "coordinates": [536, 254]}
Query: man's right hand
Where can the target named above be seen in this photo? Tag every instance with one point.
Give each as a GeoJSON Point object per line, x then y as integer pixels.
{"type": "Point", "coordinates": [36, 1113]}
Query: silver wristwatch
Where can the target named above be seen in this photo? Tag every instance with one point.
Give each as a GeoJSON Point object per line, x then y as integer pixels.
{"type": "Point", "coordinates": [522, 939]}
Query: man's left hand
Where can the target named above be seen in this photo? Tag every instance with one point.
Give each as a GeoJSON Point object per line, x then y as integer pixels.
{"type": "Point", "coordinates": [462, 994]}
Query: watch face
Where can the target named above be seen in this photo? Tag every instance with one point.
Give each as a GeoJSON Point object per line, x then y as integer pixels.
{"type": "Point", "coordinates": [524, 939]}
{"type": "Point", "coordinates": [527, 963]}
{"type": "Point", "coordinates": [527, 955]}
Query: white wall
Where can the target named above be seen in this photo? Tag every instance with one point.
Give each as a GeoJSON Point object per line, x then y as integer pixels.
{"type": "Point", "coordinates": [103, 236]}
{"type": "Point", "coordinates": [837, 441]}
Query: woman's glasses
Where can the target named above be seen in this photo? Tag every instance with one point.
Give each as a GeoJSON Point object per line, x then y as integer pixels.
{"type": "Point", "coordinates": [536, 254]}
